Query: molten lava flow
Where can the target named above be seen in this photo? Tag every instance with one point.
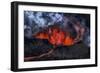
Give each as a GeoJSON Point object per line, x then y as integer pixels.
{"type": "Point", "coordinates": [68, 41]}
{"type": "Point", "coordinates": [56, 37]}
{"type": "Point", "coordinates": [42, 35]}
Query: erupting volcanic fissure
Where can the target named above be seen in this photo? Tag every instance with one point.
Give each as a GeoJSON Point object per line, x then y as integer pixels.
{"type": "Point", "coordinates": [56, 37]}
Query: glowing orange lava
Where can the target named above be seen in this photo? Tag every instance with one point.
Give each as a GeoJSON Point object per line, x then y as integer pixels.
{"type": "Point", "coordinates": [56, 37]}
